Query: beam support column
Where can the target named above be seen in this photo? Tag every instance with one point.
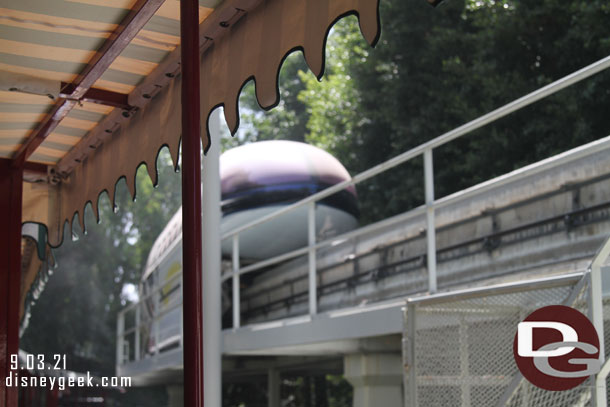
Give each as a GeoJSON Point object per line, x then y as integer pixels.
{"type": "Point", "coordinates": [376, 377]}
{"type": "Point", "coordinates": [212, 335]}
{"type": "Point", "coordinates": [191, 205]}
{"type": "Point", "coordinates": [175, 395]}
{"type": "Point", "coordinates": [273, 388]}
{"type": "Point", "coordinates": [11, 190]}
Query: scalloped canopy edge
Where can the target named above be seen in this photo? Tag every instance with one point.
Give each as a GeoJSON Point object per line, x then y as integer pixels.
{"type": "Point", "coordinates": [254, 50]}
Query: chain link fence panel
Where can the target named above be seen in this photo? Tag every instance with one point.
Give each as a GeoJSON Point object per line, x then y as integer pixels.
{"type": "Point", "coordinates": [458, 350]}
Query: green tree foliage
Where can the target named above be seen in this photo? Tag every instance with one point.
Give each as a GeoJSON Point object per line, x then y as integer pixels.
{"type": "Point", "coordinates": [437, 68]}
{"type": "Point", "coordinates": [287, 120]}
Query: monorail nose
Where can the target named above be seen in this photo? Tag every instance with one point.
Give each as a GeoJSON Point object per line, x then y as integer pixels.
{"type": "Point", "coordinates": [257, 179]}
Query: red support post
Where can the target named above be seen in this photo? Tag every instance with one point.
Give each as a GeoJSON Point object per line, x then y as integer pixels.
{"type": "Point", "coordinates": [52, 397]}
{"type": "Point", "coordinates": [11, 189]}
{"type": "Point", "coordinates": [191, 205]}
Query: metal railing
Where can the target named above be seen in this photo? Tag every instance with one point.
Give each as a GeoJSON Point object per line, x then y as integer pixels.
{"type": "Point", "coordinates": [150, 322]}
{"type": "Point", "coordinates": [429, 208]}
{"type": "Point", "coordinates": [432, 204]}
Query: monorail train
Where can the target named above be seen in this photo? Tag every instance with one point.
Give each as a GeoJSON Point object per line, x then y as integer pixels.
{"type": "Point", "coordinates": [256, 179]}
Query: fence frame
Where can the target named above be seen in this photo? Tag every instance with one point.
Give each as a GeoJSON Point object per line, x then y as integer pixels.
{"type": "Point", "coordinates": [577, 280]}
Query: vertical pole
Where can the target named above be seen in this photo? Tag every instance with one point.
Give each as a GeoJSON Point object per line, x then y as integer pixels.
{"type": "Point", "coordinates": [602, 375]}
{"type": "Point", "coordinates": [273, 388]}
{"type": "Point", "coordinates": [430, 223]}
{"type": "Point", "coordinates": [464, 363]}
{"type": "Point", "coordinates": [137, 334]}
{"type": "Point", "coordinates": [212, 309]}
{"type": "Point", "coordinates": [405, 343]}
{"type": "Point", "coordinates": [11, 189]}
{"type": "Point", "coordinates": [597, 305]}
{"type": "Point", "coordinates": [157, 301]}
{"type": "Point", "coordinates": [311, 239]}
{"type": "Point", "coordinates": [191, 205]}
{"type": "Point", "coordinates": [597, 316]}
{"type": "Point", "coordinates": [235, 279]}
{"type": "Point", "coordinates": [52, 398]}
{"type": "Point", "coordinates": [411, 396]}
{"type": "Point", "coordinates": [120, 328]}
{"type": "Point", "coordinates": [156, 335]}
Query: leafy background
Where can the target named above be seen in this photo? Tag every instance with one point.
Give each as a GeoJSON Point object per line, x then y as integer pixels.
{"type": "Point", "coordinates": [433, 70]}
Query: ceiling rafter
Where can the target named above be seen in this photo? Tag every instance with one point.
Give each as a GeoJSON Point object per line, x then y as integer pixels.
{"type": "Point", "coordinates": [135, 20]}
{"type": "Point", "coordinates": [98, 96]}
{"type": "Point", "coordinates": [212, 29]}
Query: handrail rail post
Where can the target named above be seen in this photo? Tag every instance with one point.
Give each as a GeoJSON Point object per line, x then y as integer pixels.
{"type": "Point", "coordinates": [597, 316]}
{"type": "Point", "coordinates": [311, 242]}
{"type": "Point", "coordinates": [430, 220]}
{"type": "Point", "coordinates": [156, 335]}
{"type": "Point", "coordinates": [137, 334]}
{"type": "Point", "coordinates": [120, 328]}
{"type": "Point", "coordinates": [411, 361]}
{"type": "Point", "coordinates": [236, 294]}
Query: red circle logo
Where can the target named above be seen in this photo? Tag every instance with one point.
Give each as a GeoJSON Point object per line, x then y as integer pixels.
{"type": "Point", "coordinates": [556, 348]}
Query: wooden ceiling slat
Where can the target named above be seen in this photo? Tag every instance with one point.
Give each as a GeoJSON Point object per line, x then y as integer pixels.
{"type": "Point", "coordinates": [21, 117]}
{"type": "Point", "coordinates": [63, 139]}
{"type": "Point", "coordinates": [28, 49]}
{"type": "Point", "coordinates": [124, 4]}
{"type": "Point", "coordinates": [40, 73]}
{"type": "Point", "coordinates": [23, 98]}
{"type": "Point", "coordinates": [93, 107]}
{"type": "Point", "coordinates": [158, 41]}
{"type": "Point", "coordinates": [114, 87]}
{"type": "Point", "coordinates": [86, 13]}
{"type": "Point", "coordinates": [56, 24]}
{"type": "Point", "coordinates": [78, 124]}
{"type": "Point", "coordinates": [130, 65]}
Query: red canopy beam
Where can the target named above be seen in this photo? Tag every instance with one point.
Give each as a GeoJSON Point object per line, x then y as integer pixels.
{"type": "Point", "coordinates": [10, 273]}
{"type": "Point", "coordinates": [191, 205]}
{"type": "Point", "coordinates": [139, 15]}
{"type": "Point", "coordinates": [99, 96]}
{"type": "Point", "coordinates": [35, 168]}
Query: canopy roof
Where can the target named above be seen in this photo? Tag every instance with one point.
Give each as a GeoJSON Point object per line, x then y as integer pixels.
{"type": "Point", "coordinates": [90, 89]}
{"type": "Point", "coordinates": [46, 45]}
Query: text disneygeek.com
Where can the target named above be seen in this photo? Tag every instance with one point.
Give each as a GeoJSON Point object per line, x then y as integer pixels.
{"type": "Point", "coordinates": [35, 371]}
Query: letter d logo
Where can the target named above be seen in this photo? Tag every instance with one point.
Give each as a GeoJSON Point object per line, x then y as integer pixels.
{"type": "Point", "coordinates": [525, 338]}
